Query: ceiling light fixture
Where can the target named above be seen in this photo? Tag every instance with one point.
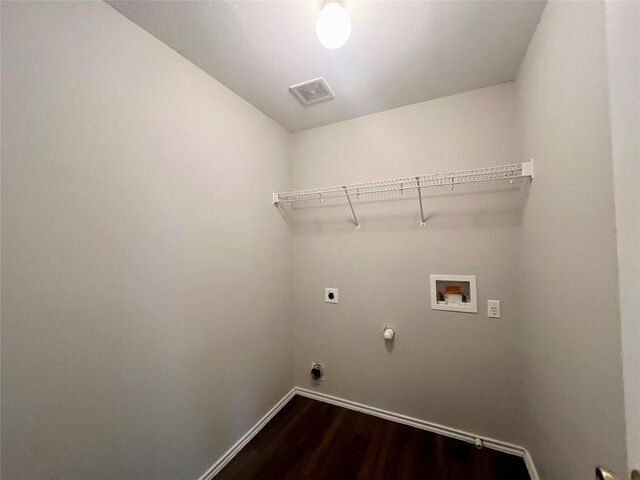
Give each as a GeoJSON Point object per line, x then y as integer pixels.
{"type": "Point", "coordinates": [333, 26]}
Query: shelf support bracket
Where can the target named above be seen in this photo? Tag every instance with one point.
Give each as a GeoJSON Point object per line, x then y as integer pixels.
{"type": "Point", "coordinates": [527, 169]}
{"type": "Point", "coordinates": [422, 219]}
{"type": "Point", "coordinates": [355, 219]}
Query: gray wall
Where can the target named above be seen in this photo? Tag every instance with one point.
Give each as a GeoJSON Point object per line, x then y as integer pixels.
{"type": "Point", "coordinates": [144, 329]}
{"type": "Point", "coordinates": [457, 369]}
{"type": "Point", "coordinates": [146, 319]}
{"type": "Point", "coordinates": [623, 38]}
{"type": "Point", "coordinates": [574, 412]}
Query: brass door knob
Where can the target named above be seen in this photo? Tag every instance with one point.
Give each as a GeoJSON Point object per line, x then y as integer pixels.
{"type": "Point", "coordinates": [604, 474]}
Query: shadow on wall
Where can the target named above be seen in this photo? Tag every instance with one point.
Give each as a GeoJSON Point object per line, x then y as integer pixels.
{"type": "Point", "coordinates": [464, 208]}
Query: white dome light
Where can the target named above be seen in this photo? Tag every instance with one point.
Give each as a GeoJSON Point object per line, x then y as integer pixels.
{"type": "Point", "coordinates": [333, 26]}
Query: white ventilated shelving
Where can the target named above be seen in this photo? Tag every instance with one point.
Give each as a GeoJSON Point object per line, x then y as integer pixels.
{"type": "Point", "coordinates": [418, 182]}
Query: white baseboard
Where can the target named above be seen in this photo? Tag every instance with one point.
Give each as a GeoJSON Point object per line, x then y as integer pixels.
{"type": "Point", "coordinates": [233, 451]}
{"type": "Point", "coordinates": [378, 412]}
{"type": "Point", "coordinates": [531, 468]}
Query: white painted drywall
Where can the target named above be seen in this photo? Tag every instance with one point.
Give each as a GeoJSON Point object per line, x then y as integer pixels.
{"type": "Point", "coordinates": [133, 285]}
{"type": "Point", "coordinates": [574, 411]}
{"type": "Point", "coordinates": [398, 53]}
{"type": "Point", "coordinates": [457, 369]}
{"type": "Point", "coordinates": [623, 39]}
{"type": "Point", "coordinates": [144, 325]}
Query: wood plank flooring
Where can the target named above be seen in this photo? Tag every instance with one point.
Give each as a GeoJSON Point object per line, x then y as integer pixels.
{"type": "Point", "coordinates": [312, 440]}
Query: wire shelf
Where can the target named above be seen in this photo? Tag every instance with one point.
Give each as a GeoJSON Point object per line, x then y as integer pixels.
{"type": "Point", "coordinates": [418, 182]}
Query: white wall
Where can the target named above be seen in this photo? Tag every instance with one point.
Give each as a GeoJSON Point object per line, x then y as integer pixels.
{"type": "Point", "coordinates": [133, 187]}
{"type": "Point", "coordinates": [457, 369]}
{"type": "Point", "coordinates": [574, 412]}
{"type": "Point", "coordinates": [138, 268]}
{"type": "Point", "coordinates": [548, 375]}
{"type": "Point", "coordinates": [623, 38]}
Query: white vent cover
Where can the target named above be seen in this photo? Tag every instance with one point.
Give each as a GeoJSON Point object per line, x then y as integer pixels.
{"type": "Point", "coordinates": [312, 91]}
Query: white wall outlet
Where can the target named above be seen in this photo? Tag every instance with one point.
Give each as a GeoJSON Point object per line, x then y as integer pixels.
{"type": "Point", "coordinates": [331, 295]}
{"type": "Point", "coordinates": [493, 308]}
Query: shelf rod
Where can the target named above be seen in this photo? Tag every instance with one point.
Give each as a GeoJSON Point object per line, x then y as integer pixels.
{"type": "Point", "coordinates": [422, 220]}
{"type": "Point", "coordinates": [351, 206]}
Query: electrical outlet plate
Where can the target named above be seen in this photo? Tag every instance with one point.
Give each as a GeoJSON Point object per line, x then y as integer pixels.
{"type": "Point", "coordinates": [493, 308]}
{"type": "Point", "coordinates": [331, 295]}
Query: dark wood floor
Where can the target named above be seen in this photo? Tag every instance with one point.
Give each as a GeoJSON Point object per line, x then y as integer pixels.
{"type": "Point", "coordinates": [308, 439]}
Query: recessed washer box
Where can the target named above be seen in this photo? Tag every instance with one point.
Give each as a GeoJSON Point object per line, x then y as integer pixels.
{"type": "Point", "coordinates": [455, 293]}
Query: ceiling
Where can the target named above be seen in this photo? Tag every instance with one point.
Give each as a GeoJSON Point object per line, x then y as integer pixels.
{"type": "Point", "coordinates": [399, 53]}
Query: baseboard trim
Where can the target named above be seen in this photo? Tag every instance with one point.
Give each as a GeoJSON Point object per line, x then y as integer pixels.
{"type": "Point", "coordinates": [378, 412]}
{"type": "Point", "coordinates": [246, 438]}
{"type": "Point", "coordinates": [531, 468]}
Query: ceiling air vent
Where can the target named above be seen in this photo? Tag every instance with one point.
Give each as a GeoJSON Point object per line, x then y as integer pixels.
{"type": "Point", "coordinates": [312, 91]}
